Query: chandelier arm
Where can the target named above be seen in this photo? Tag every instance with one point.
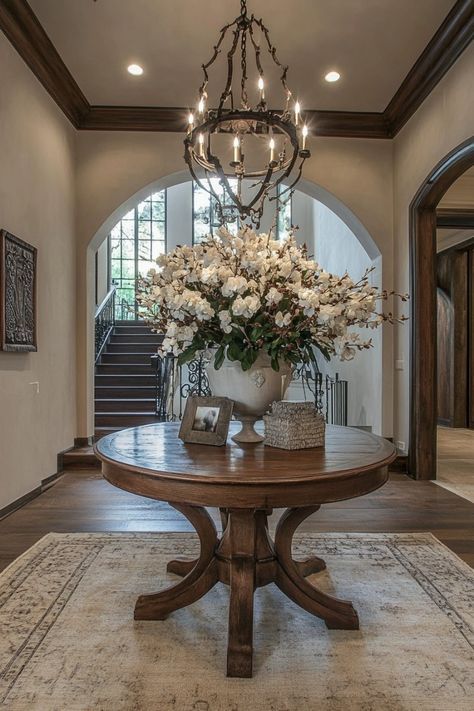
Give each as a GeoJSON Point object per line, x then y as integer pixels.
{"type": "Point", "coordinates": [230, 69]}
{"type": "Point", "coordinates": [291, 186]}
{"type": "Point", "coordinates": [263, 190]}
{"type": "Point", "coordinates": [217, 50]}
{"type": "Point", "coordinates": [243, 64]}
{"type": "Point", "coordinates": [257, 49]}
{"type": "Point", "coordinates": [210, 188]}
{"type": "Point", "coordinates": [206, 185]}
{"type": "Point", "coordinates": [272, 51]}
{"type": "Point", "coordinates": [223, 179]}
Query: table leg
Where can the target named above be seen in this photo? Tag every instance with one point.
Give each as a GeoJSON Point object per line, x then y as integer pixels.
{"type": "Point", "coordinates": [198, 580]}
{"type": "Point", "coordinates": [337, 614]}
{"type": "Point", "coordinates": [242, 537]}
{"type": "Point", "coordinates": [181, 566]}
{"type": "Point", "coordinates": [310, 565]}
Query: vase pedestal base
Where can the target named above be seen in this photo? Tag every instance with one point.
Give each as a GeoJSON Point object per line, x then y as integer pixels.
{"type": "Point", "coordinates": [247, 433]}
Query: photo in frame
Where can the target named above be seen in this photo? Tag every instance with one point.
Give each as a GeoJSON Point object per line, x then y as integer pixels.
{"type": "Point", "coordinates": [17, 294]}
{"type": "Point", "coordinates": [206, 420]}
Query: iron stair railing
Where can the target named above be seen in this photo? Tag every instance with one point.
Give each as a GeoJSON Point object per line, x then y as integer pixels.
{"type": "Point", "coordinates": [104, 322]}
{"type": "Point", "coordinates": [174, 384]}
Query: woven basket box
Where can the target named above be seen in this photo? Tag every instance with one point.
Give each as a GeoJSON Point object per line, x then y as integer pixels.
{"type": "Point", "coordinates": [294, 425]}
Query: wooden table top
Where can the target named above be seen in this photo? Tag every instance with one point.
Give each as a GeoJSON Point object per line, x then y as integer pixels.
{"type": "Point", "coordinates": [151, 460]}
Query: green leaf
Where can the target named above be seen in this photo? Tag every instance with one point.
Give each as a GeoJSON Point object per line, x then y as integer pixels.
{"type": "Point", "coordinates": [234, 352]}
{"type": "Point", "coordinates": [256, 333]}
{"type": "Point", "coordinates": [275, 363]}
{"type": "Point", "coordinates": [219, 357]}
{"type": "Point", "coordinates": [324, 351]}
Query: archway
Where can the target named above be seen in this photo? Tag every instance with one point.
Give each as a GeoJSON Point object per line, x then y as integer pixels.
{"type": "Point", "coordinates": [423, 390]}
{"type": "Point", "coordinates": [360, 234]}
{"type": "Point", "coordinates": [305, 186]}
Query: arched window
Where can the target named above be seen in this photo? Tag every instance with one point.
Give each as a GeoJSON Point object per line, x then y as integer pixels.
{"type": "Point", "coordinates": [135, 241]}
{"type": "Point", "coordinates": [145, 232]}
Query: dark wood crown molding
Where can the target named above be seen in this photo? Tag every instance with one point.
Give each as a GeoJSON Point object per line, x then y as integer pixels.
{"type": "Point", "coordinates": [446, 45]}
{"type": "Point", "coordinates": [22, 28]}
{"type": "Point", "coordinates": [155, 118]}
{"type": "Point", "coordinates": [135, 118]}
{"type": "Point", "coordinates": [347, 124]}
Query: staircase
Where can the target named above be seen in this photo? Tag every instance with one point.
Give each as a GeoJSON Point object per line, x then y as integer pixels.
{"type": "Point", "coordinates": [125, 379]}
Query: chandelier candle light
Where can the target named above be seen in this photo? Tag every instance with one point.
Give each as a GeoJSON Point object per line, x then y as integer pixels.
{"type": "Point", "coordinates": [283, 130]}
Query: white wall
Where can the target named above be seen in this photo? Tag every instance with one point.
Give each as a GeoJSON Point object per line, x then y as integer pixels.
{"type": "Point", "coordinates": [179, 215]}
{"type": "Point", "coordinates": [338, 251]}
{"type": "Point", "coordinates": [37, 205]}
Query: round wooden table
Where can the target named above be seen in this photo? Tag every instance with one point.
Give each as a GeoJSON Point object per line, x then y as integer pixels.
{"type": "Point", "coordinates": [245, 482]}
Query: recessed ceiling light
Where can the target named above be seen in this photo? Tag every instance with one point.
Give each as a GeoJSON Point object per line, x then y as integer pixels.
{"type": "Point", "coordinates": [135, 69]}
{"type": "Point", "coordinates": [332, 76]}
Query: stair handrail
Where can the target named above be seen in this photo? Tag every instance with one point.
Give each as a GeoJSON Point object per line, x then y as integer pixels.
{"type": "Point", "coordinates": [104, 321]}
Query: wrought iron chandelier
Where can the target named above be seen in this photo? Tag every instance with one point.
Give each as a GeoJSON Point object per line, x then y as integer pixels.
{"type": "Point", "coordinates": [232, 143]}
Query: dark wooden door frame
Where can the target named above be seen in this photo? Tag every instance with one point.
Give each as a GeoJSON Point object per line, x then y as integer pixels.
{"type": "Point", "coordinates": [423, 222]}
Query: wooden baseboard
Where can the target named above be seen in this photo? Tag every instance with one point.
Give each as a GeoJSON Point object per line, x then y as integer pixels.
{"type": "Point", "coordinates": [18, 503]}
{"type": "Point", "coordinates": [83, 442]}
{"type": "Point", "coordinates": [50, 480]}
{"type": "Point", "coordinates": [400, 465]}
{"type": "Point", "coordinates": [60, 463]}
{"type": "Point", "coordinates": [43, 486]}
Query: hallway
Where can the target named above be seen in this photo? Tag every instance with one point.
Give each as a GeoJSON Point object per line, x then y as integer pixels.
{"type": "Point", "coordinates": [82, 501]}
{"type": "Point", "coordinates": [456, 461]}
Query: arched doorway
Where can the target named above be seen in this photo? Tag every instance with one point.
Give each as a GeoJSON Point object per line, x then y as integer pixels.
{"type": "Point", "coordinates": [423, 390]}
{"type": "Point", "coordinates": [367, 385]}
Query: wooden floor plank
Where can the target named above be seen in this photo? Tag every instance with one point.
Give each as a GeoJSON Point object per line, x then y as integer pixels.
{"type": "Point", "coordinates": [82, 501]}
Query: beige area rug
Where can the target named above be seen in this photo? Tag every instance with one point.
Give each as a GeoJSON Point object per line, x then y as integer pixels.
{"type": "Point", "coordinates": [68, 640]}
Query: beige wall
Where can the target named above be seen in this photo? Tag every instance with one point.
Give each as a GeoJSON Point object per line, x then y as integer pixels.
{"type": "Point", "coordinates": [445, 119]}
{"type": "Point", "coordinates": [37, 204]}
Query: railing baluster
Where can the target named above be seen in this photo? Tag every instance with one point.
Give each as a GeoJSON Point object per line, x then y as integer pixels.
{"type": "Point", "coordinates": [104, 322]}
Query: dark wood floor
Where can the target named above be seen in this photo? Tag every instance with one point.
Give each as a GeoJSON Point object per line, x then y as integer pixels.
{"type": "Point", "coordinates": [82, 501]}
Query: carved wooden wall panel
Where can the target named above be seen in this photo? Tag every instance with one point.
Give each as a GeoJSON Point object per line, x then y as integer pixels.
{"type": "Point", "coordinates": [17, 294]}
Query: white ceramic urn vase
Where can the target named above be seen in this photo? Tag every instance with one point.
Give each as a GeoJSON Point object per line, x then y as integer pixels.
{"type": "Point", "coordinates": [252, 390]}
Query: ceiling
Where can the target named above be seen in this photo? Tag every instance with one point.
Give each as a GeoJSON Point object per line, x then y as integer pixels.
{"type": "Point", "coordinates": [372, 43]}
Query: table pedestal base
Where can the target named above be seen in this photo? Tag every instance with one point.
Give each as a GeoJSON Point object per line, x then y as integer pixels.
{"type": "Point", "coordinates": [246, 558]}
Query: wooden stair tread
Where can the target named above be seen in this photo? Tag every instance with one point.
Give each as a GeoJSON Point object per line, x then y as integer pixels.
{"type": "Point", "coordinates": [124, 399]}
{"type": "Point", "coordinates": [126, 375]}
{"type": "Point", "coordinates": [123, 413]}
{"type": "Point", "coordinates": [125, 378]}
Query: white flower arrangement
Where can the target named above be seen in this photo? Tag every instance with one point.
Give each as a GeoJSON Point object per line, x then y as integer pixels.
{"type": "Point", "coordinates": [247, 293]}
